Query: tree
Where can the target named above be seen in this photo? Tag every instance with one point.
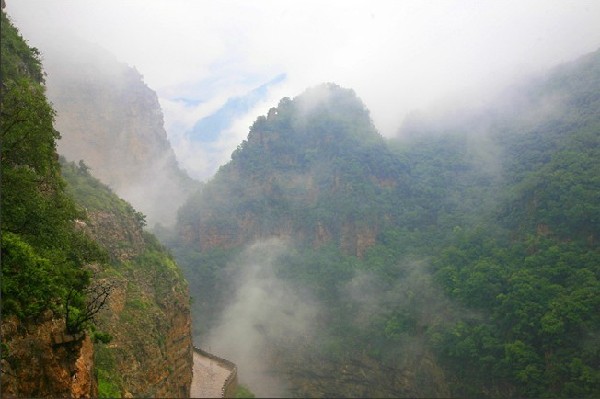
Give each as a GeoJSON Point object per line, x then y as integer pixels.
{"type": "Point", "coordinates": [94, 298]}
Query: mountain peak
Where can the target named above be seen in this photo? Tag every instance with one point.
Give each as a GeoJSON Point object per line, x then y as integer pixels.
{"type": "Point", "coordinates": [322, 118]}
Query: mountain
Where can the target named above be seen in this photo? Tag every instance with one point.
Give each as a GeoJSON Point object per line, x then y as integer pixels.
{"type": "Point", "coordinates": [109, 118]}
{"type": "Point", "coordinates": [315, 175]}
{"type": "Point", "coordinates": [460, 259]}
{"type": "Point", "coordinates": [91, 304]}
{"type": "Point", "coordinates": [312, 168]}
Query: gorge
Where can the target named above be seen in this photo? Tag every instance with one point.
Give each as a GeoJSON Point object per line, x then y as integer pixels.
{"type": "Point", "coordinates": [459, 258]}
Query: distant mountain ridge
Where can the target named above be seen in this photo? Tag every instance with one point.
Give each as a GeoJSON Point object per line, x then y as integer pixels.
{"type": "Point", "coordinates": [209, 128]}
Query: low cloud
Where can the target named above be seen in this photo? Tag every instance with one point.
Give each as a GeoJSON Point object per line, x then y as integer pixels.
{"type": "Point", "coordinates": [264, 312]}
{"type": "Point", "coordinates": [397, 56]}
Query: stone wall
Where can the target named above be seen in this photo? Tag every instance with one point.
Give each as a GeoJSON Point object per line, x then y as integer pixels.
{"type": "Point", "coordinates": [230, 384]}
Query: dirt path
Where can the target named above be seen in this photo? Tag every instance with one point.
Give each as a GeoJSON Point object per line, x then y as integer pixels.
{"type": "Point", "coordinates": [209, 377]}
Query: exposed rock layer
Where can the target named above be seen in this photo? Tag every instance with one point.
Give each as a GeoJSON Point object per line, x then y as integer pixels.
{"type": "Point", "coordinates": [39, 360]}
{"type": "Point", "coordinates": [148, 314]}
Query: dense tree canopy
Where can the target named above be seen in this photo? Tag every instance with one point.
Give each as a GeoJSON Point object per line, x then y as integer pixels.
{"type": "Point", "coordinates": [486, 246]}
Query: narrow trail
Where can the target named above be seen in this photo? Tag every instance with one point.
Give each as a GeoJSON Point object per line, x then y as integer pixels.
{"type": "Point", "coordinates": [209, 377]}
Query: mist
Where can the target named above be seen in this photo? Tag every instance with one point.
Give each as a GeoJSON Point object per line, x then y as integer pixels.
{"type": "Point", "coordinates": [264, 312]}
{"type": "Point", "coordinates": [110, 119]}
{"type": "Point", "coordinates": [414, 292]}
{"type": "Point", "coordinates": [270, 323]}
{"type": "Point", "coordinates": [398, 56]}
{"type": "Point", "coordinates": [416, 218]}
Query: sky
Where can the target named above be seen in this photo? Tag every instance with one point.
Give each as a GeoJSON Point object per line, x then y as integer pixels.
{"type": "Point", "coordinates": [399, 56]}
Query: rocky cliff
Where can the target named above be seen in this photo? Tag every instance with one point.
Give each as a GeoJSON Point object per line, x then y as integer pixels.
{"type": "Point", "coordinates": [41, 361]}
{"type": "Point", "coordinates": [148, 310]}
{"type": "Point", "coordinates": [147, 317]}
{"type": "Point", "coordinates": [112, 120]}
{"type": "Point", "coordinates": [45, 352]}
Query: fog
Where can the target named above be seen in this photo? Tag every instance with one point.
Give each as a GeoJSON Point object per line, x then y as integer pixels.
{"type": "Point", "coordinates": [414, 293]}
{"type": "Point", "coordinates": [399, 56]}
{"type": "Point", "coordinates": [421, 68]}
{"type": "Point", "coordinates": [269, 322]}
{"type": "Point", "coordinates": [112, 121]}
{"type": "Point", "coordinates": [263, 313]}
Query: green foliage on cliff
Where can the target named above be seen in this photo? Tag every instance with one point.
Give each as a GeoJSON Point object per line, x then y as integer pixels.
{"type": "Point", "coordinates": [534, 277]}
{"type": "Point", "coordinates": [484, 230]}
{"type": "Point", "coordinates": [69, 244]}
{"type": "Point", "coordinates": [43, 254]}
{"type": "Point", "coordinates": [143, 274]}
{"type": "Point", "coordinates": [18, 59]}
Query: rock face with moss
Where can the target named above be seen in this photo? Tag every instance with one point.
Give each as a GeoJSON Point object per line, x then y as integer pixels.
{"type": "Point", "coordinates": [55, 364]}
{"type": "Point", "coordinates": [148, 311]}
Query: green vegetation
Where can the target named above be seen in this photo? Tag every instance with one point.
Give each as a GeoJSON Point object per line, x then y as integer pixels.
{"type": "Point", "coordinates": [69, 243]}
{"type": "Point", "coordinates": [141, 272]}
{"type": "Point", "coordinates": [43, 254]}
{"type": "Point", "coordinates": [485, 252]}
{"type": "Point", "coordinates": [94, 195]}
{"type": "Point", "coordinates": [478, 252]}
{"type": "Point", "coordinates": [109, 378]}
{"type": "Point", "coordinates": [243, 392]}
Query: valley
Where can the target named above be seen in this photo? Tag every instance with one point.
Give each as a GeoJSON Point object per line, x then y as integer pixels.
{"type": "Point", "coordinates": [458, 258]}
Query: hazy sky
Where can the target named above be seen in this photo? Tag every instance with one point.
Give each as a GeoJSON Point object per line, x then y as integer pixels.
{"type": "Point", "coordinates": [397, 55]}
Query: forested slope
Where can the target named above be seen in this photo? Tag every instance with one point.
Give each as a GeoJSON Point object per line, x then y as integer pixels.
{"type": "Point", "coordinates": [461, 259]}
{"type": "Point", "coordinates": [534, 277]}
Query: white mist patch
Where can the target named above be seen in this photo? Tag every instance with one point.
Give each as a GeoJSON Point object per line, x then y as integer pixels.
{"type": "Point", "coordinates": [265, 312]}
{"type": "Point", "coordinates": [313, 99]}
{"type": "Point", "coordinates": [156, 193]}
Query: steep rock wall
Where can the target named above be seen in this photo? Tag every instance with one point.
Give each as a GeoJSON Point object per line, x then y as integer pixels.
{"type": "Point", "coordinates": [57, 365]}
{"type": "Point", "coordinates": [112, 120]}
{"type": "Point", "coordinates": [148, 309]}
{"type": "Point", "coordinates": [148, 313]}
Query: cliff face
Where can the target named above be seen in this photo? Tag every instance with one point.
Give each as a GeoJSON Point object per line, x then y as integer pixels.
{"type": "Point", "coordinates": [108, 117]}
{"type": "Point", "coordinates": [57, 365]}
{"type": "Point", "coordinates": [148, 310]}
{"type": "Point", "coordinates": [147, 316]}
{"type": "Point", "coordinates": [315, 173]}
